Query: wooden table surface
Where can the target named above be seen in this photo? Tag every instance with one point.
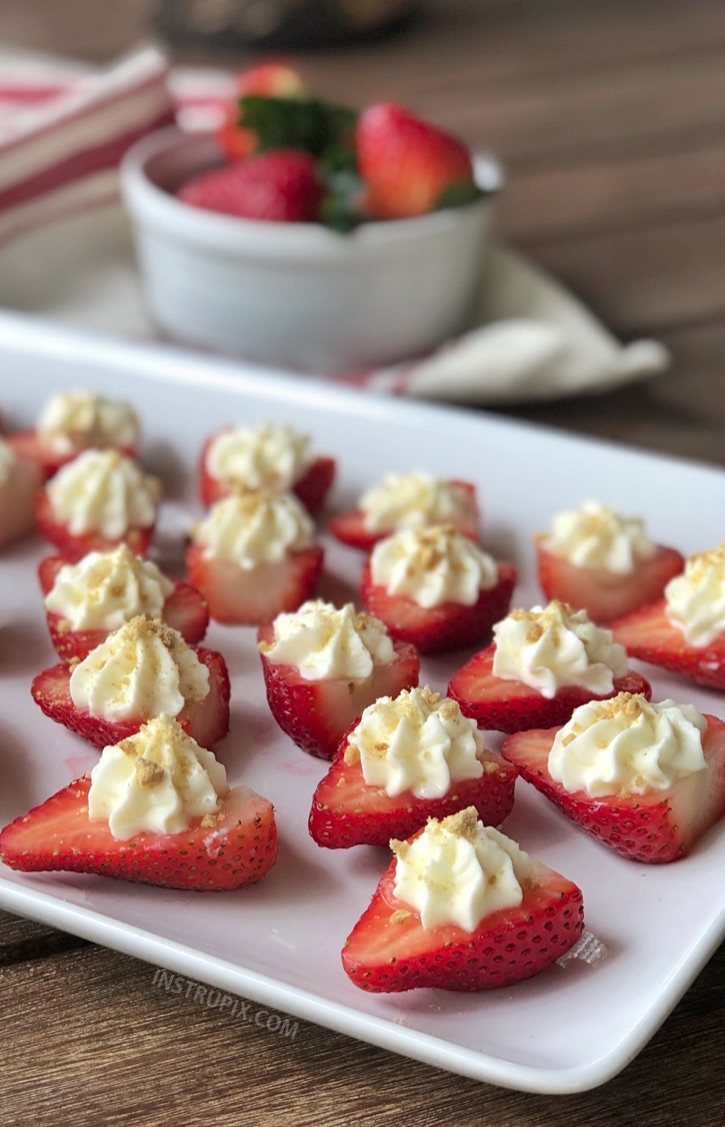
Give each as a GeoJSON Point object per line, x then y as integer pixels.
{"type": "Point", "coordinates": [608, 115]}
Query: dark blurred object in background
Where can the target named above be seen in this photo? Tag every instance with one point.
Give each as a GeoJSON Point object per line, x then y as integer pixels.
{"type": "Point", "coordinates": [279, 24]}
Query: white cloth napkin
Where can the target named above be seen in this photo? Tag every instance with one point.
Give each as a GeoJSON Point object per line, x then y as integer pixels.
{"type": "Point", "coordinates": [64, 127]}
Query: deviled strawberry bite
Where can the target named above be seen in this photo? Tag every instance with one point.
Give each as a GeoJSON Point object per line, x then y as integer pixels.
{"type": "Point", "coordinates": [21, 479]}
{"type": "Point", "coordinates": [408, 501]}
{"type": "Point", "coordinates": [88, 599]}
{"type": "Point", "coordinates": [140, 671]}
{"type": "Point", "coordinates": [74, 421]}
{"type": "Point", "coordinates": [156, 809]}
{"type": "Point", "coordinates": [272, 457]}
{"type": "Point", "coordinates": [684, 631]}
{"type": "Point", "coordinates": [99, 500]}
{"type": "Point", "coordinates": [323, 665]}
{"type": "Point", "coordinates": [462, 907]}
{"type": "Point", "coordinates": [646, 779]}
{"type": "Point", "coordinates": [542, 663]}
{"type": "Point", "coordinates": [408, 759]}
{"type": "Point", "coordinates": [600, 561]}
{"type": "Point", "coordinates": [436, 588]}
{"type": "Point", "coordinates": [254, 556]}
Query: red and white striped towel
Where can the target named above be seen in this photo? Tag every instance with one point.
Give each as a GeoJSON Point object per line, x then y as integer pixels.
{"type": "Point", "coordinates": [64, 128]}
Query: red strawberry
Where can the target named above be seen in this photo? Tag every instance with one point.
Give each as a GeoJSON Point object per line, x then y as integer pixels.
{"type": "Point", "coordinates": [236, 846]}
{"type": "Point", "coordinates": [311, 489]}
{"type": "Point", "coordinates": [73, 546]}
{"type": "Point", "coordinates": [450, 626]}
{"type": "Point", "coordinates": [648, 635]}
{"type": "Point", "coordinates": [407, 164]}
{"type": "Point", "coordinates": [185, 610]}
{"type": "Point", "coordinates": [350, 527]}
{"type": "Point", "coordinates": [251, 596]}
{"type": "Point", "coordinates": [278, 186]}
{"type": "Point", "coordinates": [511, 706]}
{"type": "Point", "coordinates": [389, 950]}
{"type": "Point", "coordinates": [268, 80]}
{"type": "Point", "coordinates": [207, 721]}
{"type": "Point", "coordinates": [659, 826]}
{"type": "Point", "coordinates": [316, 714]}
{"type": "Point", "coordinates": [17, 499]}
{"type": "Point", "coordinates": [29, 444]}
{"type": "Point", "coordinates": [348, 811]}
{"type": "Point", "coordinates": [604, 594]}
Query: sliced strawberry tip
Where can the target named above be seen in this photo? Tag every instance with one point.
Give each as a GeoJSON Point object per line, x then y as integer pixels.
{"type": "Point", "coordinates": [389, 950]}
{"type": "Point", "coordinates": [316, 714]}
{"type": "Point", "coordinates": [440, 629]}
{"type": "Point", "coordinates": [650, 636]}
{"type": "Point", "coordinates": [207, 721]}
{"type": "Point", "coordinates": [346, 811]}
{"type": "Point", "coordinates": [512, 706]}
{"type": "Point", "coordinates": [603, 594]}
{"type": "Point", "coordinates": [234, 847]}
{"type": "Point", "coordinates": [252, 596]}
{"type": "Point", "coordinates": [657, 827]}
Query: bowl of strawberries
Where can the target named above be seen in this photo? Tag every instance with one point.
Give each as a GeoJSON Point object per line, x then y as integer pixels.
{"type": "Point", "coordinates": [306, 235]}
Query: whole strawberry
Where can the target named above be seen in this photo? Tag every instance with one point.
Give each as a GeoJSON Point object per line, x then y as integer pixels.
{"type": "Point", "coordinates": [409, 166]}
{"type": "Point", "coordinates": [279, 186]}
{"type": "Point", "coordinates": [267, 80]}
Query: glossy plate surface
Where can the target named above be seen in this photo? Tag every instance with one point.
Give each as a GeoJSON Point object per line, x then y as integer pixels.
{"type": "Point", "coordinates": [279, 942]}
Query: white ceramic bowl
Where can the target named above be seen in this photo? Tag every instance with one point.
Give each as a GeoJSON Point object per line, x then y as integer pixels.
{"type": "Point", "coordinates": [296, 295]}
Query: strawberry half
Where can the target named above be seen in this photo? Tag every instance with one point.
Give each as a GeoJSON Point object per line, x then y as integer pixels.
{"type": "Point", "coordinates": [277, 186]}
{"type": "Point", "coordinates": [316, 714]}
{"type": "Point", "coordinates": [512, 706]}
{"type": "Point", "coordinates": [656, 827]}
{"type": "Point", "coordinates": [648, 635]}
{"type": "Point", "coordinates": [252, 596]}
{"type": "Point", "coordinates": [606, 595]}
{"type": "Point", "coordinates": [185, 610]}
{"type": "Point", "coordinates": [350, 528]}
{"type": "Point", "coordinates": [17, 499]}
{"type": "Point", "coordinates": [29, 444]}
{"type": "Point", "coordinates": [233, 847]}
{"type": "Point", "coordinates": [348, 811]}
{"type": "Point", "coordinates": [389, 950]}
{"type": "Point", "coordinates": [74, 546]}
{"type": "Point", "coordinates": [311, 489]}
{"type": "Point", "coordinates": [207, 720]}
{"type": "Point", "coordinates": [451, 626]}
{"type": "Point", "coordinates": [409, 165]}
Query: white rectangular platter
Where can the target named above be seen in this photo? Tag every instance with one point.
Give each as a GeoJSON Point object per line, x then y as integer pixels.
{"type": "Point", "coordinates": [279, 942]}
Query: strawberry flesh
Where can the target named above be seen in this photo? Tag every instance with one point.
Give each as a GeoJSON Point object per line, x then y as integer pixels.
{"type": "Point", "coordinates": [512, 706]}
{"type": "Point", "coordinates": [389, 950]}
{"type": "Point", "coordinates": [603, 594]}
{"type": "Point", "coordinates": [316, 714]}
{"type": "Point", "coordinates": [207, 720]}
{"type": "Point", "coordinates": [252, 596]}
{"type": "Point", "coordinates": [656, 827]}
{"type": "Point", "coordinates": [347, 811]}
{"type": "Point", "coordinates": [234, 847]}
{"type": "Point", "coordinates": [648, 635]}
